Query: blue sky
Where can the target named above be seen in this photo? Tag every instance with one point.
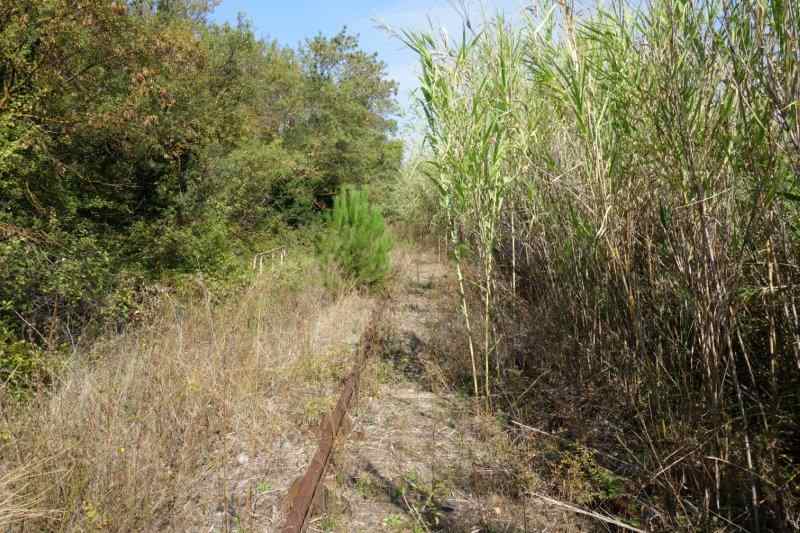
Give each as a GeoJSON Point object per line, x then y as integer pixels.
{"type": "Point", "coordinates": [290, 22]}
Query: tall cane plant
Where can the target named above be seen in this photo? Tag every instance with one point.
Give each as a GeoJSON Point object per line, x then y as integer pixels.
{"type": "Point", "coordinates": [467, 94]}
{"type": "Point", "coordinates": [636, 168]}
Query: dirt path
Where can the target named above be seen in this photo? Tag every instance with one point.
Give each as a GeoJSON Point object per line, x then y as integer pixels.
{"type": "Point", "coordinates": [418, 460]}
{"type": "Point", "coordinates": [415, 460]}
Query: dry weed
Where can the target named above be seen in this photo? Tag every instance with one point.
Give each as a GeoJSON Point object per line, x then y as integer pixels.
{"type": "Point", "coordinates": [153, 430]}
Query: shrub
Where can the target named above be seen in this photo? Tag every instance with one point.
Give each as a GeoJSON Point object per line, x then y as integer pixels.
{"type": "Point", "coordinates": [51, 286]}
{"type": "Point", "coordinates": [265, 186]}
{"type": "Point", "coordinates": [356, 240]}
{"type": "Point", "coordinates": [20, 362]}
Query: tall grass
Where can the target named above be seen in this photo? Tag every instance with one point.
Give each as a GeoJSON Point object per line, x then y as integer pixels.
{"type": "Point", "coordinates": [165, 426]}
{"type": "Point", "coordinates": [634, 172]}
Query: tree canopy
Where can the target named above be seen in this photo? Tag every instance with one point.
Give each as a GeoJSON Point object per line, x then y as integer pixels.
{"type": "Point", "coordinates": [138, 140]}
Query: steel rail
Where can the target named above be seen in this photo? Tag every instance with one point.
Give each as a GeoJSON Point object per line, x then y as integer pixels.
{"type": "Point", "coordinates": [305, 491]}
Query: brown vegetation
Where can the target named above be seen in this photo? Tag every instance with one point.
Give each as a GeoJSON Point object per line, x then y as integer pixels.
{"type": "Point", "coordinates": [185, 421]}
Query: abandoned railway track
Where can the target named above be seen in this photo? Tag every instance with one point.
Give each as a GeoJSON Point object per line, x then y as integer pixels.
{"type": "Point", "coordinates": [305, 493]}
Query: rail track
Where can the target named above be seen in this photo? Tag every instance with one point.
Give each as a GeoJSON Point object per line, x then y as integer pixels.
{"type": "Point", "coordinates": [306, 491]}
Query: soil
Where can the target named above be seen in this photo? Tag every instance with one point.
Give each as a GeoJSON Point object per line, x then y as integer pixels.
{"type": "Point", "coordinates": [418, 460]}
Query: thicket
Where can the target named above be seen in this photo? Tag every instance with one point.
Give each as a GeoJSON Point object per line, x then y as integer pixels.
{"type": "Point", "coordinates": [622, 188]}
{"type": "Point", "coordinates": [356, 243]}
{"type": "Point", "coordinates": [140, 143]}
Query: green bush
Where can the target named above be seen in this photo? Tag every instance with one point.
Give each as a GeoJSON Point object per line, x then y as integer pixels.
{"type": "Point", "coordinates": [356, 240]}
{"type": "Point", "coordinates": [50, 285]}
{"type": "Point", "coordinates": [265, 187]}
{"type": "Point", "coordinates": [20, 362]}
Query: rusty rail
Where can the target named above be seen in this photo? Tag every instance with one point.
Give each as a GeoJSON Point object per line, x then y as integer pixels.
{"type": "Point", "coordinates": [305, 490]}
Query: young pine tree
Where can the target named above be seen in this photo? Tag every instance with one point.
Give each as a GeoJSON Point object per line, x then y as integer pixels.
{"type": "Point", "coordinates": [356, 241]}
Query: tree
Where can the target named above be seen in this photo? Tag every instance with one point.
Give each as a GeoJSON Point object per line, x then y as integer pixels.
{"type": "Point", "coordinates": [346, 125]}
{"type": "Point", "coordinates": [356, 241]}
{"type": "Point", "coordinates": [140, 142]}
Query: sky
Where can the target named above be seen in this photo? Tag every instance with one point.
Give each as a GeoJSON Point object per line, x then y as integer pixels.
{"type": "Point", "coordinates": [291, 21]}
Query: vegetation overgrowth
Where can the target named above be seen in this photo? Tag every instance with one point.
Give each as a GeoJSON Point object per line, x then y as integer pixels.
{"type": "Point", "coordinates": [141, 144]}
{"type": "Point", "coordinates": [619, 191]}
{"type": "Point", "coordinates": [621, 188]}
{"type": "Point", "coordinates": [149, 430]}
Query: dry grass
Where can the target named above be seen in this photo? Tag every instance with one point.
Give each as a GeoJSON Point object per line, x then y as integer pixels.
{"type": "Point", "coordinates": [197, 420]}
